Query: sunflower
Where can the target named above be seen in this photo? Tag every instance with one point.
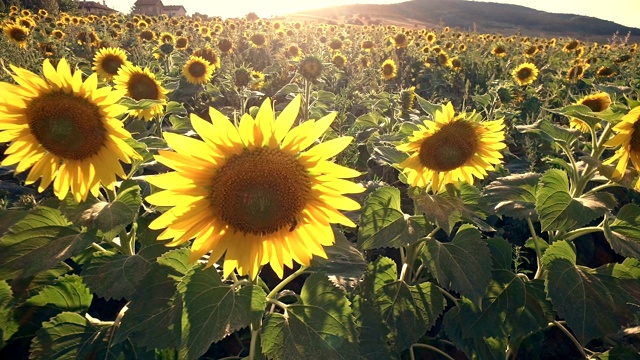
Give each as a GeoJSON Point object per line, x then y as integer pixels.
{"type": "Point", "coordinates": [628, 138]}
{"type": "Point", "coordinates": [339, 60]}
{"type": "Point", "coordinates": [147, 35]}
{"type": "Point", "coordinates": [455, 64]}
{"type": "Point", "coordinates": [596, 102]}
{"type": "Point", "coordinates": [311, 68]}
{"type": "Point", "coordinates": [17, 34]}
{"type": "Point", "coordinates": [400, 40]}
{"type": "Point", "coordinates": [208, 54]}
{"type": "Point", "coordinates": [499, 51]}
{"type": "Point", "coordinates": [571, 45]}
{"type": "Point", "coordinates": [336, 45]}
{"type": "Point", "coordinates": [108, 61]}
{"type": "Point", "coordinates": [431, 37]}
{"type": "Point", "coordinates": [389, 70]}
{"type": "Point", "coordinates": [525, 74]}
{"type": "Point", "coordinates": [367, 45]}
{"type": "Point", "coordinates": [141, 84]}
{"type": "Point", "coordinates": [64, 129]}
{"type": "Point", "coordinates": [576, 72]}
{"type": "Point", "coordinates": [604, 71]}
{"type": "Point", "coordinates": [531, 51]}
{"type": "Point", "coordinates": [166, 37]}
{"type": "Point", "coordinates": [451, 149]}
{"type": "Point", "coordinates": [254, 193]}
{"type": "Point", "coordinates": [294, 52]}
{"type": "Point", "coordinates": [257, 80]}
{"type": "Point", "coordinates": [258, 40]}
{"type": "Point", "coordinates": [182, 43]}
{"type": "Point", "coordinates": [443, 59]}
{"type": "Point", "coordinates": [197, 70]}
{"type": "Point", "coordinates": [225, 45]}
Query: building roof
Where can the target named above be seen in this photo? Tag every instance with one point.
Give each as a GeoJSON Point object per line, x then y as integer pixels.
{"type": "Point", "coordinates": [148, 2]}
{"type": "Point", "coordinates": [93, 5]}
{"type": "Point", "coordinates": [174, 7]}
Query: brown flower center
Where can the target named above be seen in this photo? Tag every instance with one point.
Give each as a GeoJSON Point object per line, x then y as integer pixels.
{"type": "Point", "coordinates": [260, 191]}
{"type": "Point", "coordinates": [197, 69]}
{"type": "Point", "coordinates": [596, 104]}
{"type": "Point", "coordinates": [18, 34]}
{"type": "Point", "coordinates": [450, 147]}
{"type": "Point", "coordinates": [524, 73]}
{"type": "Point", "coordinates": [111, 64]}
{"type": "Point", "coordinates": [141, 86]}
{"type": "Point", "coordinates": [68, 126]}
{"type": "Point", "coordinates": [635, 137]}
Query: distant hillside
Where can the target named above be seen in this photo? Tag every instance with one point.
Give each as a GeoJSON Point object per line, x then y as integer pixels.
{"type": "Point", "coordinates": [481, 17]}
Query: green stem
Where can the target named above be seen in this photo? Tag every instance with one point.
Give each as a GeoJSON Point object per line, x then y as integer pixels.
{"type": "Point", "coordinates": [574, 234]}
{"type": "Point", "coordinates": [430, 348]}
{"type": "Point", "coordinates": [572, 338]}
{"type": "Point", "coordinates": [538, 253]}
{"type": "Point", "coordinates": [252, 345]}
{"type": "Point", "coordinates": [99, 248]}
{"type": "Point", "coordinates": [574, 174]}
{"type": "Point", "coordinates": [601, 187]}
{"type": "Point", "coordinates": [590, 169]}
{"type": "Point", "coordinates": [286, 281]}
{"type": "Point", "coordinates": [446, 294]}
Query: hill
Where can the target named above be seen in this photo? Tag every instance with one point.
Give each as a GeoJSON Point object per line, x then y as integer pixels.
{"type": "Point", "coordinates": [481, 17]}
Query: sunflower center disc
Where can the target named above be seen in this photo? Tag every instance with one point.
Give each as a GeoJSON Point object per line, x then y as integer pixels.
{"type": "Point", "coordinates": [141, 86]}
{"type": "Point", "coordinates": [111, 64]}
{"type": "Point", "coordinates": [450, 147]}
{"type": "Point", "coordinates": [66, 125]}
{"type": "Point", "coordinates": [197, 69]}
{"type": "Point", "coordinates": [635, 137]}
{"type": "Point", "coordinates": [18, 35]}
{"type": "Point", "coordinates": [524, 73]}
{"type": "Point", "coordinates": [260, 191]}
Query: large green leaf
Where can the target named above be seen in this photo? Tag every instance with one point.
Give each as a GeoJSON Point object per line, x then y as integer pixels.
{"type": "Point", "coordinates": [462, 265]}
{"type": "Point", "coordinates": [320, 326]}
{"type": "Point", "coordinates": [623, 233]}
{"type": "Point", "coordinates": [501, 253]}
{"type": "Point", "coordinates": [154, 317]}
{"type": "Point", "coordinates": [407, 311]}
{"type": "Point", "coordinates": [214, 310]}
{"type": "Point", "coordinates": [558, 210]}
{"type": "Point", "coordinates": [484, 348]}
{"type": "Point", "coordinates": [116, 276]}
{"type": "Point", "coordinates": [553, 132]}
{"type": "Point", "coordinates": [71, 336]}
{"type": "Point", "coordinates": [343, 259]}
{"type": "Point", "coordinates": [374, 337]}
{"type": "Point", "coordinates": [513, 195]}
{"type": "Point", "coordinates": [8, 326]}
{"type": "Point", "coordinates": [594, 302]}
{"type": "Point", "coordinates": [68, 293]}
{"type": "Point", "coordinates": [511, 308]}
{"type": "Point", "coordinates": [383, 224]}
{"type": "Point", "coordinates": [8, 218]}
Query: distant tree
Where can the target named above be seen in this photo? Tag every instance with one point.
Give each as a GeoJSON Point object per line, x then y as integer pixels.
{"type": "Point", "coordinates": [68, 6]}
{"type": "Point", "coordinates": [252, 16]}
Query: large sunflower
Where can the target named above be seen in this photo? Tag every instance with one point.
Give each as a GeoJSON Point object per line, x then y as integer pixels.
{"type": "Point", "coordinates": [198, 70]}
{"type": "Point", "coordinates": [596, 102]}
{"type": "Point", "coordinates": [141, 84]}
{"type": "Point", "coordinates": [256, 193]}
{"type": "Point", "coordinates": [64, 129]}
{"type": "Point", "coordinates": [451, 149]}
{"type": "Point", "coordinates": [628, 138]}
{"type": "Point", "coordinates": [525, 74]}
{"type": "Point", "coordinates": [108, 61]}
{"type": "Point", "coordinates": [17, 33]}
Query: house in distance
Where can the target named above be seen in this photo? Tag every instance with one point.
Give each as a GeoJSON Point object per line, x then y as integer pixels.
{"type": "Point", "coordinates": [156, 7]}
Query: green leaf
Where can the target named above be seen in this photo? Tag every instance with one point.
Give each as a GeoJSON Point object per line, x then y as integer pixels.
{"type": "Point", "coordinates": [213, 310]}
{"type": "Point", "coordinates": [369, 120]}
{"type": "Point", "coordinates": [513, 195]}
{"type": "Point", "coordinates": [594, 302]}
{"type": "Point", "coordinates": [116, 276]}
{"type": "Point", "coordinates": [581, 112]}
{"type": "Point", "coordinates": [8, 326]}
{"type": "Point", "coordinates": [462, 265]}
{"type": "Point", "coordinates": [554, 132]}
{"type": "Point", "coordinates": [9, 218]}
{"type": "Point", "coordinates": [319, 327]}
{"type": "Point", "coordinates": [489, 348]}
{"type": "Point", "coordinates": [68, 293]}
{"type": "Point", "coordinates": [427, 107]}
{"type": "Point", "coordinates": [558, 210]}
{"type": "Point", "coordinates": [383, 224]}
{"type": "Point", "coordinates": [153, 319]}
{"type": "Point", "coordinates": [113, 217]}
{"type": "Point", "coordinates": [501, 253]}
{"type": "Point", "coordinates": [623, 233]}
{"type": "Point", "coordinates": [374, 337]}
{"type": "Point", "coordinates": [389, 155]}
{"type": "Point", "coordinates": [407, 311]}
{"type": "Point", "coordinates": [343, 259]}
{"type": "Point", "coordinates": [63, 337]}
{"type": "Point", "coordinates": [446, 210]}
{"type": "Point", "coordinates": [619, 353]}
{"type": "Point", "coordinates": [511, 308]}
{"type": "Point", "coordinates": [38, 242]}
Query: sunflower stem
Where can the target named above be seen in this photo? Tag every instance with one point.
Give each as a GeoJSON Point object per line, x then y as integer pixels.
{"type": "Point", "coordinates": [537, 247]}
{"type": "Point", "coordinates": [99, 248]}
{"type": "Point", "coordinates": [572, 338]}
{"type": "Point", "coordinates": [286, 281]}
{"type": "Point", "coordinates": [574, 234]}
{"type": "Point", "coordinates": [590, 169]}
{"type": "Point", "coordinates": [447, 295]}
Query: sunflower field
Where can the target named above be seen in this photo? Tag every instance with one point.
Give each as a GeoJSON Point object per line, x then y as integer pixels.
{"type": "Point", "coordinates": [207, 188]}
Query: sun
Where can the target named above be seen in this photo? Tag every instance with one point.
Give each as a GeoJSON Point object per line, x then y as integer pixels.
{"type": "Point", "coordinates": [258, 193]}
{"type": "Point", "coordinates": [452, 148]}
{"type": "Point", "coordinates": [64, 129]}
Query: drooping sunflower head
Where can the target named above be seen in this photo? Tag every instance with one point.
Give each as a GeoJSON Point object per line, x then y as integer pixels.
{"type": "Point", "coordinates": [400, 40]}
{"type": "Point", "coordinates": [258, 40]}
{"type": "Point", "coordinates": [141, 84]}
{"type": "Point", "coordinates": [311, 68]}
{"type": "Point", "coordinates": [571, 45]}
{"type": "Point", "coordinates": [208, 54]}
{"type": "Point", "coordinates": [17, 34]}
{"type": "Point", "coordinates": [108, 61]}
{"type": "Point", "coordinates": [197, 70]}
{"type": "Point", "coordinates": [367, 45]}
{"type": "Point", "coordinates": [605, 71]}
{"type": "Point", "coordinates": [627, 139]}
{"type": "Point", "coordinates": [525, 74]}
{"type": "Point", "coordinates": [407, 98]}
{"type": "Point", "coordinates": [389, 70]}
{"type": "Point", "coordinates": [254, 194]}
{"type": "Point", "coordinates": [64, 129]}
{"type": "Point", "coordinates": [452, 148]}
{"type": "Point", "coordinates": [531, 51]}
{"type": "Point", "coordinates": [576, 72]}
{"type": "Point", "coordinates": [596, 102]}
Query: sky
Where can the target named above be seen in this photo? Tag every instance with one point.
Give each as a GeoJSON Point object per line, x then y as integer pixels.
{"type": "Point", "coordinates": [624, 12]}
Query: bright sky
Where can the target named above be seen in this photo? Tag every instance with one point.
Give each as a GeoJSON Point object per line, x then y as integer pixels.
{"type": "Point", "coordinates": [624, 12]}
